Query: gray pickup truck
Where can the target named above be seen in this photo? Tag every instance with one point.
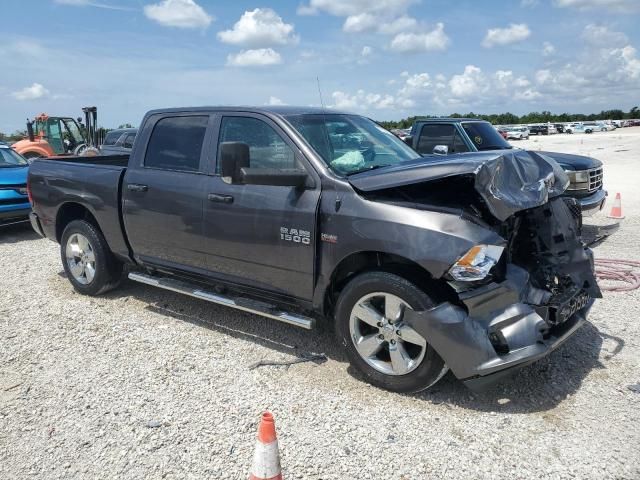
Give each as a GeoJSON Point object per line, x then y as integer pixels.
{"type": "Point", "coordinates": [301, 215]}
{"type": "Point", "coordinates": [442, 136]}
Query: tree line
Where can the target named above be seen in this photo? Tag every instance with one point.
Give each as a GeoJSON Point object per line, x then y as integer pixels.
{"type": "Point", "coordinates": [532, 117]}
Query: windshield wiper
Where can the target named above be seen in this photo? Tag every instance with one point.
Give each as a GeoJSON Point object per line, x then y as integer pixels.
{"type": "Point", "coordinates": [367, 169]}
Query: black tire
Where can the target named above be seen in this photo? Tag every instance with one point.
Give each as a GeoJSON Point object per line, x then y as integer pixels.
{"type": "Point", "coordinates": [108, 270]}
{"type": "Point", "coordinates": [431, 368]}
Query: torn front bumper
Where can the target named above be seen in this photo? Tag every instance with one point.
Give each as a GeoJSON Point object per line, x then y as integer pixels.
{"type": "Point", "coordinates": [501, 328]}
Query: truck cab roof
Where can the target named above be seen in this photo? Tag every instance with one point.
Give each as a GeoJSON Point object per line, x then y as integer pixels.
{"type": "Point", "coordinates": [281, 110]}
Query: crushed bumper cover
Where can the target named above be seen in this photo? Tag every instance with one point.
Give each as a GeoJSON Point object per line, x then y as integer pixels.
{"type": "Point", "coordinates": [499, 329]}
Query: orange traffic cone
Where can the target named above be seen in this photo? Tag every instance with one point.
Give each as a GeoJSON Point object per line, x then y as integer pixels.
{"type": "Point", "coordinates": [266, 460]}
{"type": "Point", "coordinates": [616, 210]}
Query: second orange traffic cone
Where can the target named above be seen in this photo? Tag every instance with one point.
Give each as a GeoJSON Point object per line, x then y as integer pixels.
{"type": "Point", "coordinates": [616, 210]}
{"type": "Point", "coordinates": [266, 460]}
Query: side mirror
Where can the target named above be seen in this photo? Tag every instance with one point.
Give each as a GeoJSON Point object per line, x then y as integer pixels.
{"type": "Point", "coordinates": [441, 150]}
{"type": "Point", "coordinates": [408, 140]}
{"type": "Point", "coordinates": [275, 177]}
{"type": "Point", "coordinates": [234, 156]}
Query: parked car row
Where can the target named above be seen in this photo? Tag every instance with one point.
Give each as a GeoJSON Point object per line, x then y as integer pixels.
{"type": "Point", "coordinates": [572, 127]}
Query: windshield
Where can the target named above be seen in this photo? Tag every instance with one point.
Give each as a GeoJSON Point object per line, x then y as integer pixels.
{"type": "Point", "coordinates": [9, 158]}
{"type": "Point", "coordinates": [349, 143]}
{"type": "Point", "coordinates": [484, 136]}
{"type": "Point", "coordinates": [72, 130]}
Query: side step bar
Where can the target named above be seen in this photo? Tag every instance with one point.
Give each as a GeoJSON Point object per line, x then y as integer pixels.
{"type": "Point", "coordinates": [193, 291]}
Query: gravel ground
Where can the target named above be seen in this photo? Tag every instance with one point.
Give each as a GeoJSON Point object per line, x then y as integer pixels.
{"type": "Point", "coordinates": [143, 383]}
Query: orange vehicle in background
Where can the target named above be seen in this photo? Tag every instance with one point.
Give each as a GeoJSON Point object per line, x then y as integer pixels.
{"type": "Point", "coordinates": [60, 136]}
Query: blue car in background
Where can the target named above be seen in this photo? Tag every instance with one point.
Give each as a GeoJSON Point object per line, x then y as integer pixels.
{"type": "Point", "coordinates": [14, 201]}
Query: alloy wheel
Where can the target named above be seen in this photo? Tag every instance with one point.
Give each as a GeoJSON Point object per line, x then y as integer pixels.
{"type": "Point", "coordinates": [381, 336]}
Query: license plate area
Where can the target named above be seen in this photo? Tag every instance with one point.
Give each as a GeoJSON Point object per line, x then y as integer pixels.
{"type": "Point", "coordinates": [563, 305]}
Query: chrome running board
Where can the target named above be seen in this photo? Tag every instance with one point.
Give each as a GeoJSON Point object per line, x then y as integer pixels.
{"type": "Point", "coordinates": [193, 291]}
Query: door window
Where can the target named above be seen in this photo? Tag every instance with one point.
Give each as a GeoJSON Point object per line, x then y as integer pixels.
{"type": "Point", "coordinates": [128, 141]}
{"type": "Point", "coordinates": [267, 149]}
{"type": "Point", "coordinates": [54, 135]}
{"type": "Point", "coordinates": [458, 144]}
{"type": "Point", "coordinates": [176, 143]}
{"type": "Point", "coordinates": [436, 134]}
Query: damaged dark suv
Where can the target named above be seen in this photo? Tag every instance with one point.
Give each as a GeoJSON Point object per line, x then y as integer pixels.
{"type": "Point", "coordinates": [472, 264]}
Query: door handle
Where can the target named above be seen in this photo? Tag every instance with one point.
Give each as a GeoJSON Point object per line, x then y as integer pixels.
{"type": "Point", "coordinates": [137, 187]}
{"type": "Point", "coordinates": [216, 197]}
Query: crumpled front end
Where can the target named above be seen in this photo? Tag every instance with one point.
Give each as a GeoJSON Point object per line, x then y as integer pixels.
{"type": "Point", "coordinates": [537, 297]}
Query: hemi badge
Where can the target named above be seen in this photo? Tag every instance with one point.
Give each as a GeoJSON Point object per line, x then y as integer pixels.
{"type": "Point", "coordinates": [326, 237]}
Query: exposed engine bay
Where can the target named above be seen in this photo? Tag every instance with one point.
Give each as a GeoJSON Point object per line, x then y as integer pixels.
{"type": "Point", "coordinates": [541, 283]}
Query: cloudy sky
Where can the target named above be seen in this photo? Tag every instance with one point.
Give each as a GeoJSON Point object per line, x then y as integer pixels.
{"type": "Point", "coordinates": [384, 58]}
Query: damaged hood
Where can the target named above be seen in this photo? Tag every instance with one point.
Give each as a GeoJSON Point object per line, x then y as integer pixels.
{"type": "Point", "coordinates": [508, 181]}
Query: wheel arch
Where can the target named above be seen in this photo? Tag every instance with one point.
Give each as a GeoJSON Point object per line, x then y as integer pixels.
{"type": "Point", "coordinates": [365, 261]}
{"type": "Point", "coordinates": [70, 211]}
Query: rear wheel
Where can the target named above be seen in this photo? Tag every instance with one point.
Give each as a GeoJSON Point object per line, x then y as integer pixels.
{"type": "Point", "coordinates": [371, 326]}
{"type": "Point", "coordinates": [90, 266]}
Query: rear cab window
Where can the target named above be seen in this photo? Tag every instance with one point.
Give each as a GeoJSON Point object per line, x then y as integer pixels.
{"type": "Point", "coordinates": [484, 136]}
{"type": "Point", "coordinates": [111, 138]}
{"type": "Point", "coordinates": [176, 143]}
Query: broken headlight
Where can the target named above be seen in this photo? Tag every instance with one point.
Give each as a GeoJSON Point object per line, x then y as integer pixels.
{"type": "Point", "coordinates": [476, 263]}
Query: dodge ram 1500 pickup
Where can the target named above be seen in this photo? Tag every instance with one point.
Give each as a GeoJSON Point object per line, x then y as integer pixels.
{"type": "Point", "coordinates": [301, 215]}
{"type": "Point", "coordinates": [460, 135]}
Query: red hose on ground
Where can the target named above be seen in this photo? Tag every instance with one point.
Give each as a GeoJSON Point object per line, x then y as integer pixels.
{"type": "Point", "coordinates": [625, 274]}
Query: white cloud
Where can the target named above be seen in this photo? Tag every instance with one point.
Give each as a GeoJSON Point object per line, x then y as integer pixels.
{"type": "Point", "coordinates": [548, 49]}
{"type": "Point", "coordinates": [421, 42]}
{"type": "Point", "coordinates": [360, 23]}
{"type": "Point", "coordinates": [601, 36]}
{"type": "Point", "coordinates": [367, 51]}
{"type": "Point", "coordinates": [529, 3]}
{"type": "Point", "coordinates": [261, 27]}
{"type": "Point", "coordinates": [254, 58]}
{"type": "Point", "coordinates": [275, 101]}
{"type": "Point", "coordinates": [400, 24]}
{"type": "Point", "coordinates": [34, 92]}
{"type": "Point", "coordinates": [470, 83]}
{"type": "Point", "coordinates": [362, 100]}
{"type": "Point", "coordinates": [178, 13]}
{"type": "Point", "coordinates": [515, 32]}
{"type": "Point", "coordinates": [89, 3]}
{"type": "Point", "coordinates": [387, 17]}
{"type": "Point", "coordinates": [415, 85]}
{"type": "Point", "coordinates": [610, 5]}
{"type": "Point", "coordinates": [342, 8]}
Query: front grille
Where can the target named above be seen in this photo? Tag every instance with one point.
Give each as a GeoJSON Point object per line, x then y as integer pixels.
{"type": "Point", "coordinates": [595, 179]}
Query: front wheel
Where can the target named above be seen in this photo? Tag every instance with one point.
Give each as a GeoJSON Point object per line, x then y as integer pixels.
{"type": "Point", "coordinates": [89, 264]}
{"type": "Point", "coordinates": [380, 344]}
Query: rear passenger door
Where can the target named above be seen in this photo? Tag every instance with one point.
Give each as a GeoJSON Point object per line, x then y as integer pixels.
{"type": "Point", "coordinates": [262, 235]}
{"type": "Point", "coordinates": [164, 194]}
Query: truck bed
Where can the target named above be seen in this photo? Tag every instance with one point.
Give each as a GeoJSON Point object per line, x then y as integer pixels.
{"type": "Point", "coordinates": [112, 160]}
{"type": "Point", "coordinates": [93, 183]}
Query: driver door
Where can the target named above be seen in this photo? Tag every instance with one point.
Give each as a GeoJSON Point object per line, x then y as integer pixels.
{"type": "Point", "coordinates": [262, 235]}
